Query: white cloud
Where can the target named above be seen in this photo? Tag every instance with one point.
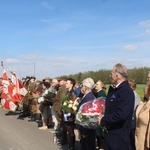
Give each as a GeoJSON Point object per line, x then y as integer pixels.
{"type": "Point", "coordinates": [12, 60]}
{"type": "Point", "coordinates": [129, 47]}
{"type": "Point", "coordinates": [145, 23]}
{"type": "Point", "coordinates": [65, 65]}
{"type": "Point", "coordinates": [31, 57]}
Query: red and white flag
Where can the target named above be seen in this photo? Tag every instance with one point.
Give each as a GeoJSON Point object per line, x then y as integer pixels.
{"type": "Point", "coordinates": [7, 90]}
{"type": "Point", "coordinates": [5, 84]}
{"type": "Point", "coordinates": [13, 91]}
{"type": "Point", "coordinates": [19, 87]}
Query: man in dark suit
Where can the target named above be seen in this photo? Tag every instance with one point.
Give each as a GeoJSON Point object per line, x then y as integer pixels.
{"type": "Point", "coordinates": [117, 119]}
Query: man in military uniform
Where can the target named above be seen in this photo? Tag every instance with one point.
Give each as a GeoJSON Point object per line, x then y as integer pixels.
{"type": "Point", "coordinates": [25, 101]}
{"type": "Point", "coordinates": [62, 91]}
{"type": "Point", "coordinates": [32, 101]}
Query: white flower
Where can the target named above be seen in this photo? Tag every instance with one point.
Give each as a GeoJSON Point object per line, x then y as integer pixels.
{"type": "Point", "coordinates": [70, 105]}
{"type": "Point", "coordinates": [65, 104]}
{"type": "Point", "coordinates": [70, 101]}
{"type": "Point", "coordinates": [40, 99]}
{"type": "Point", "coordinates": [74, 108]}
{"type": "Point", "coordinates": [76, 103]}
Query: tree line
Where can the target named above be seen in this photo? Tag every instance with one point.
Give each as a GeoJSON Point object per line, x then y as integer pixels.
{"type": "Point", "coordinates": [138, 74]}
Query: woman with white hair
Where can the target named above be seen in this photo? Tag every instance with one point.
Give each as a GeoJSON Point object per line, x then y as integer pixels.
{"type": "Point", "coordinates": [87, 135]}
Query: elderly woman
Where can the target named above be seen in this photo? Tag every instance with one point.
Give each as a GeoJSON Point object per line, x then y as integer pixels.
{"type": "Point", "coordinates": [87, 135]}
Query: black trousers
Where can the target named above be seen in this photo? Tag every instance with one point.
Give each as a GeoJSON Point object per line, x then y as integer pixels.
{"type": "Point", "coordinates": [88, 141]}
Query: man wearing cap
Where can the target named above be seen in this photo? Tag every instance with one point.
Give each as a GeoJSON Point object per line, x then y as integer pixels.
{"type": "Point", "coordinates": [62, 91]}
{"type": "Point", "coordinates": [32, 102]}
{"type": "Point", "coordinates": [48, 79]}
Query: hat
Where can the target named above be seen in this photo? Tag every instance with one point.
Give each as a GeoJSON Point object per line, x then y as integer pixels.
{"type": "Point", "coordinates": [62, 78]}
{"type": "Point", "coordinates": [32, 77]}
{"type": "Point", "coordinates": [48, 79]}
{"type": "Point", "coordinates": [38, 81]}
{"type": "Point", "coordinates": [27, 77]}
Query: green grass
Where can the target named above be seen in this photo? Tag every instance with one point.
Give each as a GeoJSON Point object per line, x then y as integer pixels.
{"type": "Point", "coordinates": [140, 90]}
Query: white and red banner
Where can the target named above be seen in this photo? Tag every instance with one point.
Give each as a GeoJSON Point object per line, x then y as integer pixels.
{"type": "Point", "coordinates": [13, 92]}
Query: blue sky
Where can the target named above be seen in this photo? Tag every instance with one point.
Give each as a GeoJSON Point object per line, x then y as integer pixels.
{"type": "Point", "coordinates": [50, 38]}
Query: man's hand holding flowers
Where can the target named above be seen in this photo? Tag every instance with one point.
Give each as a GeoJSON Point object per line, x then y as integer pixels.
{"type": "Point", "coordinates": [99, 120]}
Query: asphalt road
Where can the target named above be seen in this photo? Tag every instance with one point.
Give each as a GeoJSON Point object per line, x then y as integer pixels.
{"type": "Point", "coordinates": [17, 134]}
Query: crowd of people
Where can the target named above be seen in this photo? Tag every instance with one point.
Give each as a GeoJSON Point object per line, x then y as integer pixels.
{"type": "Point", "coordinates": [125, 124]}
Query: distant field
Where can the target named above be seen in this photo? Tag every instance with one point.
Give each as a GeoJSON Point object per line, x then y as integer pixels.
{"type": "Point", "coordinates": [139, 89]}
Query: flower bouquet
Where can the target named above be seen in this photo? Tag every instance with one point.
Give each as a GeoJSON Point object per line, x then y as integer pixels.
{"type": "Point", "coordinates": [69, 104]}
{"type": "Point", "coordinates": [36, 95]}
{"type": "Point", "coordinates": [90, 112]}
{"type": "Point", "coordinates": [47, 96]}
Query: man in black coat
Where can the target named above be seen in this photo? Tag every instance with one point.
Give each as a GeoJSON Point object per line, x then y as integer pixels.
{"type": "Point", "coordinates": [117, 119]}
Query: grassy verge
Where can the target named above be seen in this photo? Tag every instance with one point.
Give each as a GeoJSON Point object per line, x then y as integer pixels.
{"type": "Point", "coordinates": [140, 90]}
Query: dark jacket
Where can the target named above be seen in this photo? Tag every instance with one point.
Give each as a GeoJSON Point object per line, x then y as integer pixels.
{"type": "Point", "coordinates": [90, 96]}
{"type": "Point", "coordinates": [118, 117]}
{"type": "Point", "coordinates": [87, 143]}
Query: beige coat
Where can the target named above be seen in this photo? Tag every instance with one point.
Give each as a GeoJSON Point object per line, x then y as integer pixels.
{"type": "Point", "coordinates": [142, 133]}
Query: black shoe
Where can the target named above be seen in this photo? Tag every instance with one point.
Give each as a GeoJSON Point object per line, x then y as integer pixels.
{"type": "Point", "coordinates": [9, 113]}
{"type": "Point", "coordinates": [50, 126]}
{"type": "Point", "coordinates": [63, 142]}
{"type": "Point", "coordinates": [22, 116]}
{"type": "Point", "coordinates": [70, 148]}
{"type": "Point", "coordinates": [33, 118]}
